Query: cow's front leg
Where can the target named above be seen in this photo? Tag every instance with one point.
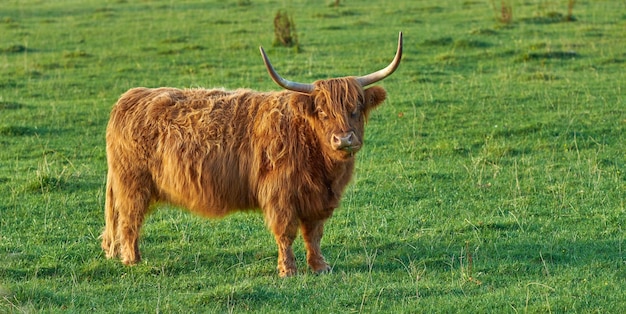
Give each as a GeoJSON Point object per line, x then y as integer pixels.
{"type": "Point", "coordinates": [285, 231]}
{"type": "Point", "coordinates": [312, 232]}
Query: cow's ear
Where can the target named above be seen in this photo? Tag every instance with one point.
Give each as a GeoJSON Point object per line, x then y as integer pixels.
{"type": "Point", "coordinates": [303, 104]}
{"type": "Point", "coordinates": [374, 96]}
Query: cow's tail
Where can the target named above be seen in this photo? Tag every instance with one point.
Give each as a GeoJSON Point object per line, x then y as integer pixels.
{"type": "Point", "coordinates": [110, 243]}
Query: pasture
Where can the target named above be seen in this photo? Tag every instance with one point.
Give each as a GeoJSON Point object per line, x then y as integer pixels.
{"type": "Point", "coordinates": [493, 179]}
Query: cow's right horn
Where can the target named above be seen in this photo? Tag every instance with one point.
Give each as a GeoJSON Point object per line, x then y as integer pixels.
{"type": "Point", "coordinates": [293, 86]}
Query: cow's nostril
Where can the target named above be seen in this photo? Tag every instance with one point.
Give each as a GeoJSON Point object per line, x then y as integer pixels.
{"type": "Point", "coordinates": [343, 140]}
{"type": "Point", "coordinates": [350, 137]}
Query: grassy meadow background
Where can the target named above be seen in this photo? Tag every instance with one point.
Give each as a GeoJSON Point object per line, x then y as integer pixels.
{"type": "Point", "coordinates": [492, 180]}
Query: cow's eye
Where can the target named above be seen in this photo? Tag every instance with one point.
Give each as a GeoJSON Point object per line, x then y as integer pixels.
{"type": "Point", "coordinates": [322, 115]}
{"type": "Point", "coordinates": [355, 114]}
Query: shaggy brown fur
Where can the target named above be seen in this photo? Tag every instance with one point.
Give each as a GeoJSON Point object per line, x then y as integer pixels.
{"type": "Point", "coordinates": [216, 151]}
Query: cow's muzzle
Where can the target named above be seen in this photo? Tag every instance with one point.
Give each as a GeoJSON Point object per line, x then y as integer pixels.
{"type": "Point", "coordinates": [345, 141]}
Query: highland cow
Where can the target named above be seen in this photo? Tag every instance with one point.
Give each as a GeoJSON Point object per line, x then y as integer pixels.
{"type": "Point", "coordinates": [288, 153]}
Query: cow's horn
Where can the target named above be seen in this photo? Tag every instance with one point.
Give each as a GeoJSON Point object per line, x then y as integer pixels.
{"type": "Point", "coordinates": [381, 74]}
{"type": "Point", "coordinates": [294, 86]}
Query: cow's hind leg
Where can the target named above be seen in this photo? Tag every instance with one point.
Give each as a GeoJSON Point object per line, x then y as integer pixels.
{"type": "Point", "coordinates": [132, 201]}
{"type": "Point", "coordinates": [110, 243]}
{"type": "Point", "coordinates": [312, 232]}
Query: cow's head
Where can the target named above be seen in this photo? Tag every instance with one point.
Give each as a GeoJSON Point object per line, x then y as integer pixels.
{"type": "Point", "coordinates": [337, 108]}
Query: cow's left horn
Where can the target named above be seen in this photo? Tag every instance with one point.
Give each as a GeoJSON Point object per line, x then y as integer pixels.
{"type": "Point", "coordinates": [381, 74]}
{"type": "Point", "coordinates": [293, 86]}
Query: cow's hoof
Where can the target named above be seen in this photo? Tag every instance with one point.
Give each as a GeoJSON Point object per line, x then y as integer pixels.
{"type": "Point", "coordinates": [286, 270]}
{"type": "Point", "coordinates": [323, 270]}
{"type": "Point", "coordinates": [319, 266]}
{"type": "Point", "coordinates": [286, 273]}
{"type": "Point", "coordinates": [131, 260]}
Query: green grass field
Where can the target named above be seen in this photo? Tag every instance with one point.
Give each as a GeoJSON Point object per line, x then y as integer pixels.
{"type": "Point", "coordinates": [492, 180]}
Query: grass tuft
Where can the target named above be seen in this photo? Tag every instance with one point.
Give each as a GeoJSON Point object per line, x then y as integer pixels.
{"type": "Point", "coordinates": [76, 54]}
{"type": "Point", "coordinates": [44, 183]}
{"type": "Point", "coordinates": [285, 30]}
{"type": "Point", "coordinates": [14, 130]}
{"type": "Point", "coordinates": [470, 43]}
{"type": "Point", "coordinates": [15, 49]}
{"type": "Point", "coordinates": [441, 41]}
{"type": "Point", "coordinates": [555, 55]}
{"type": "Point", "coordinates": [483, 31]}
{"type": "Point", "coordinates": [503, 11]}
{"type": "Point", "coordinates": [9, 105]}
